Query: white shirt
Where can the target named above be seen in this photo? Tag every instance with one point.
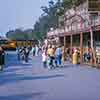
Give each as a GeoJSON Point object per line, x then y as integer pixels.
{"type": "Point", "coordinates": [44, 57]}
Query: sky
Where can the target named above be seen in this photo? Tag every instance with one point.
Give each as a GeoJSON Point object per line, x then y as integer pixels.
{"type": "Point", "coordinates": [19, 14]}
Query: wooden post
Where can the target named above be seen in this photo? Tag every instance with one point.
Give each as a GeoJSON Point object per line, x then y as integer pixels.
{"type": "Point", "coordinates": [93, 62]}
{"type": "Point", "coordinates": [81, 48]}
{"type": "Point", "coordinates": [64, 32]}
{"type": "Point", "coordinates": [93, 52]}
{"type": "Point", "coordinates": [65, 41]}
{"type": "Point", "coordinates": [64, 47]}
{"type": "Point", "coordinates": [91, 35]}
{"type": "Point", "coordinates": [81, 42]}
{"type": "Point", "coordinates": [71, 44]}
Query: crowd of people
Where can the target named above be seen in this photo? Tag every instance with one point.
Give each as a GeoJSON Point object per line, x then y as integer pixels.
{"type": "Point", "coordinates": [23, 52]}
{"type": "Point", "coordinates": [52, 56]}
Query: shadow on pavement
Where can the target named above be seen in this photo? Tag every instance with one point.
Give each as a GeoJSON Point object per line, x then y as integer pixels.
{"type": "Point", "coordinates": [71, 65]}
{"type": "Point", "coordinates": [13, 78]}
{"type": "Point", "coordinates": [17, 71]}
{"type": "Point", "coordinates": [31, 96]}
{"type": "Point", "coordinates": [12, 60]}
{"type": "Point", "coordinates": [15, 68]}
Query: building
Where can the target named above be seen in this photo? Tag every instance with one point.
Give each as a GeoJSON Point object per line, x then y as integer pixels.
{"type": "Point", "coordinates": [81, 29]}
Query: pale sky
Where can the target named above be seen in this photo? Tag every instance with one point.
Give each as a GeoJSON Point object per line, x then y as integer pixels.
{"type": "Point", "coordinates": [19, 13]}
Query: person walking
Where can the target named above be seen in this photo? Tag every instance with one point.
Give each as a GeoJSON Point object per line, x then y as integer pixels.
{"type": "Point", "coordinates": [26, 54]}
{"type": "Point", "coordinates": [33, 50]}
{"type": "Point", "coordinates": [22, 53]}
{"type": "Point", "coordinates": [44, 58]}
{"type": "Point", "coordinates": [36, 50]}
{"type": "Point", "coordinates": [1, 58]}
{"type": "Point", "coordinates": [19, 53]}
{"type": "Point", "coordinates": [50, 53]}
{"type": "Point", "coordinates": [58, 54]}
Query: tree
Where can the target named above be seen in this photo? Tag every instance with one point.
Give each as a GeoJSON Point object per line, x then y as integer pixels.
{"type": "Point", "coordinates": [67, 4]}
{"type": "Point", "coordinates": [19, 34]}
{"type": "Point", "coordinates": [47, 20]}
{"type": "Point", "coordinates": [9, 34]}
{"type": "Point", "coordinates": [50, 17]}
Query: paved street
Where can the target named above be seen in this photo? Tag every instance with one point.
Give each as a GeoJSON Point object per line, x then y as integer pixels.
{"type": "Point", "coordinates": [20, 81]}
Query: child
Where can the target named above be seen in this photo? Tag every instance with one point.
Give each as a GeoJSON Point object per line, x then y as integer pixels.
{"type": "Point", "coordinates": [44, 58]}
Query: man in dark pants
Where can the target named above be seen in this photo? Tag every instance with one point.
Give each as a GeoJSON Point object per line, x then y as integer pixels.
{"type": "Point", "coordinates": [1, 58]}
{"type": "Point", "coordinates": [18, 53]}
{"type": "Point", "coordinates": [26, 54]}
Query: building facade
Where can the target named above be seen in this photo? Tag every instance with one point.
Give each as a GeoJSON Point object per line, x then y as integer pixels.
{"type": "Point", "coordinates": [81, 29]}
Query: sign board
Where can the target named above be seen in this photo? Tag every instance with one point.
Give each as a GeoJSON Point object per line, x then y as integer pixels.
{"type": "Point", "coordinates": [24, 43]}
{"type": "Point", "coordinates": [94, 5]}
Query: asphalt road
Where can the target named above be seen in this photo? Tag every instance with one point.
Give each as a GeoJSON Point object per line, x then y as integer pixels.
{"type": "Point", "coordinates": [30, 81]}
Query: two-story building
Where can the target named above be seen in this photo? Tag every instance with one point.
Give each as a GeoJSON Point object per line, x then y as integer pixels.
{"type": "Point", "coordinates": [81, 28]}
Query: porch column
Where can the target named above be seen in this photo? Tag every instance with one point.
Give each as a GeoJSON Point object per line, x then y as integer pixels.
{"type": "Point", "coordinates": [64, 46]}
{"type": "Point", "coordinates": [81, 48]}
{"type": "Point", "coordinates": [71, 44]}
{"type": "Point", "coordinates": [93, 62]}
{"type": "Point", "coordinates": [64, 41]}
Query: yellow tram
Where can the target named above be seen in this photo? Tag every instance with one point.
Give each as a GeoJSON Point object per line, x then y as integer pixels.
{"type": "Point", "coordinates": [8, 44]}
{"type": "Point", "coordinates": [13, 44]}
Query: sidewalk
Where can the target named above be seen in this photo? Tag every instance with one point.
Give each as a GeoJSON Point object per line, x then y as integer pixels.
{"type": "Point", "coordinates": [33, 82]}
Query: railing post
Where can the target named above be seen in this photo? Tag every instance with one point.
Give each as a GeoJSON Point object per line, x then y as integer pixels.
{"type": "Point", "coordinates": [81, 48]}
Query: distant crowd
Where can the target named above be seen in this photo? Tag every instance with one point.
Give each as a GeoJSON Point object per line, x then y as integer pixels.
{"type": "Point", "coordinates": [23, 52]}
{"type": "Point", "coordinates": [52, 55]}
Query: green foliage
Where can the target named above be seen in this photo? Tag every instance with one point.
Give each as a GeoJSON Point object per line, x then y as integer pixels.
{"type": "Point", "coordinates": [19, 34]}
{"type": "Point", "coordinates": [67, 3]}
{"type": "Point", "coordinates": [47, 20]}
{"type": "Point", "coordinates": [50, 17]}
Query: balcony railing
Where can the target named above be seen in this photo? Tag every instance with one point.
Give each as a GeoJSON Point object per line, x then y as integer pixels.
{"type": "Point", "coordinates": [73, 22]}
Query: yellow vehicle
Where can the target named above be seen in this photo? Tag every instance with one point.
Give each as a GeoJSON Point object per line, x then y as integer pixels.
{"type": "Point", "coordinates": [8, 44]}
{"type": "Point", "coordinates": [13, 44]}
